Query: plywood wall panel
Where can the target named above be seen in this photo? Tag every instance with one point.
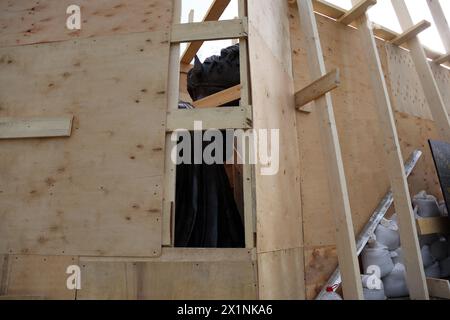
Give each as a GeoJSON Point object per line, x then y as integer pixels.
{"type": "Point", "coordinates": [98, 192]}
{"type": "Point", "coordinates": [29, 22]}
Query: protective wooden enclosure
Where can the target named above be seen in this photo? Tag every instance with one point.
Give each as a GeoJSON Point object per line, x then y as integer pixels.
{"type": "Point", "coordinates": [94, 197]}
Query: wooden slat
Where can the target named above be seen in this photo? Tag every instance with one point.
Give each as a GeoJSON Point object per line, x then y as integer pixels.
{"type": "Point", "coordinates": [411, 32]}
{"type": "Point", "coordinates": [214, 12]}
{"type": "Point", "coordinates": [212, 118]}
{"type": "Point", "coordinates": [37, 127]}
{"type": "Point", "coordinates": [394, 163]}
{"type": "Point", "coordinates": [219, 98]}
{"type": "Point", "coordinates": [345, 237]}
{"type": "Point", "coordinates": [442, 59]}
{"type": "Point", "coordinates": [441, 23]}
{"type": "Point", "coordinates": [357, 11]}
{"type": "Point", "coordinates": [433, 225]}
{"type": "Point", "coordinates": [439, 288]}
{"type": "Point", "coordinates": [423, 68]}
{"type": "Point", "coordinates": [317, 88]}
{"type": "Point", "coordinates": [210, 30]}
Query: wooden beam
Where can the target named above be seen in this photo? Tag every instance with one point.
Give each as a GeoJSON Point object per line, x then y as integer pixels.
{"type": "Point", "coordinates": [36, 127]}
{"type": "Point", "coordinates": [439, 288]}
{"type": "Point", "coordinates": [214, 12]}
{"type": "Point", "coordinates": [213, 118]}
{"type": "Point", "coordinates": [357, 11]}
{"type": "Point", "coordinates": [433, 225]}
{"type": "Point", "coordinates": [442, 59]}
{"type": "Point", "coordinates": [317, 88]}
{"type": "Point", "coordinates": [441, 23]}
{"type": "Point", "coordinates": [426, 76]}
{"type": "Point", "coordinates": [345, 236]}
{"type": "Point", "coordinates": [219, 98]}
{"type": "Point", "coordinates": [415, 275]}
{"type": "Point", "coordinates": [210, 30]}
{"type": "Point", "coordinates": [412, 32]}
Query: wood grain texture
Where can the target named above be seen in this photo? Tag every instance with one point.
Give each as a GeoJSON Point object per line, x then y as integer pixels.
{"type": "Point", "coordinates": [39, 21]}
{"type": "Point", "coordinates": [99, 192]}
{"type": "Point", "coordinates": [37, 127]}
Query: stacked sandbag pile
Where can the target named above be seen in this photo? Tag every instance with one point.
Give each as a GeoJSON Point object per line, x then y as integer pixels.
{"type": "Point", "coordinates": [383, 251]}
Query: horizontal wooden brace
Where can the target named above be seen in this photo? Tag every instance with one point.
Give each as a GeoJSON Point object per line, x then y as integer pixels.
{"type": "Point", "coordinates": [357, 11]}
{"type": "Point", "coordinates": [433, 225]}
{"type": "Point", "coordinates": [35, 127]}
{"type": "Point", "coordinates": [212, 118]}
{"type": "Point", "coordinates": [317, 89]}
{"type": "Point", "coordinates": [214, 12]}
{"type": "Point", "coordinates": [209, 30]}
{"type": "Point", "coordinates": [219, 98]}
{"type": "Point", "coordinates": [438, 288]}
{"type": "Point", "coordinates": [411, 32]}
{"type": "Point", "coordinates": [442, 59]}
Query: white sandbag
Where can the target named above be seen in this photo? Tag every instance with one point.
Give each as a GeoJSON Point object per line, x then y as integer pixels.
{"type": "Point", "coordinates": [427, 205]}
{"type": "Point", "coordinates": [376, 254]}
{"type": "Point", "coordinates": [387, 234]}
{"type": "Point", "coordinates": [374, 294]}
{"type": "Point", "coordinates": [443, 209]}
{"type": "Point", "coordinates": [397, 256]}
{"type": "Point", "coordinates": [370, 290]}
{"type": "Point", "coordinates": [439, 249]}
{"type": "Point", "coordinates": [427, 257]}
{"type": "Point", "coordinates": [445, 268]}
{"type": "Point", "coordinates": [428, 239]}
{"type": "Point", "coordinates": [395, 283]}
{"type": "Point", "coordinates": [433, 271]}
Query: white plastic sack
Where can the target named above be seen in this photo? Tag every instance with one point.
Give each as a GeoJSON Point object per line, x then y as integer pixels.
{"type": "Point", "coordinates": [427, 257]}
{"type": "Point", "coordinates": [387, 234]}
{"type": "Point", "coordinates": [376, 254]}
{"type": "Point", "coordinates": [445, 268]}
{"type": "Point", "coordinates": [395, 283]}
{"type": "Point", "coordinates": [427, 205]}
{"type": "Point", "coordinates": [372, 293]}
{"type": "Point", "coordinates": [433, 271]}
{"type": "Point", "coordinates": [443, 209]}
{"type": "Point", "coordinates": [439, 249]}
{"type": "Point", "coordinates": [397, 256]}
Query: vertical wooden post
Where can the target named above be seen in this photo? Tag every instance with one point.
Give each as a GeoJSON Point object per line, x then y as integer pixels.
{"type": "Point", "coordinates": [394, 164]}
{"type": "Point", "coordinates": [423, 68]}
{"type": "Point", "coordinates": [441, 23]}
{"type": "Point", "coordinates": [170, 168]}
{"type": "Point", "coordinates": [345, 236]}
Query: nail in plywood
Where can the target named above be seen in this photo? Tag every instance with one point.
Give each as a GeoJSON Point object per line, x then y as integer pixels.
{"type": "Point", "coordinates": [357, 11]}
{"type": "Point", "coordinates": [36, 127]}
{"type": "Point", "coordinates": [423, 69]}
{"type": "Point", "coordinates": [219, 98]}
{"type": "Point", "coordinates": [209, 30]}
{"type": "Point", "coordinates": [95, 193]}
{"type": "Point", "coordinates": [411, 32]}
{"type": "Point", "coordinates": [394, 163]}
{"type": "Point", "coordinates": [351, 280]}
{"type": "Point", "coordinates": [317, 89]}
{"type": "Point", "coordinates": [214, 12]}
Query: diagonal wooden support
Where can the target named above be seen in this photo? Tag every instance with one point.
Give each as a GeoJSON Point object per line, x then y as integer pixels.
{"type": "Point", "coordinates": [357, 11]}
{"type": "Point", "coordinates": [345, 236]}
{"type": "Point", "coordinates": [214, 12]}
{"type": "Point", "coordinates": [442, 59]}
{"type": "Point", "coordinates": [412, 32]}
{"type": "Point", "coordinates": [317, 89]}
{"type": "Point", "coordinates": [415, 275]}
{"type": "Point", "coordinates": [423, 68]}
{"type": "Point", "coordinates": [442, 27]}
{"type": "Point", "coordinates": [219, 98]}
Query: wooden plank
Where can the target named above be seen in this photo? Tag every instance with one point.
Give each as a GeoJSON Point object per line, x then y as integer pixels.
{"type": "Point", "coordinates": [209, 30]}
{"type": "Point", "coordinates": [411, 32]}
{"type": "Point", "coordinates": [439, 288]}
{"type": "Point", "coordinates": [423, 69]}
{"type": "Point", "coordinates": [318, 88]}
{"type": "Point", "coordinates": [433, 225]}
{"type": "Point", "coordinates": [394, 164]}
{"type": "Point", "coordinates": [345, 236]}
{"type": "Point", "coordinates": [441, 156]}
{"type": "Point", "coordinates": [215, 118]}
{"type": "Point", "coordinates": [24, 22]}
{"type": "Point", "coordinates": [37, 127]}
{"type": "Point", "coordinates": [214, 12]}
{"type": "Point", "coordinates": [219, 98]}
{"type": "Point", "coordinates": [272, 85]}
{"type": "Point", "coordinates": [357, 11]}
{"type": "Point", "coordinates": [95, 193]}
{"type": "Point", "coordinates": [441, 23]}
{"type": "Point", "coordinates": [442, 59]}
